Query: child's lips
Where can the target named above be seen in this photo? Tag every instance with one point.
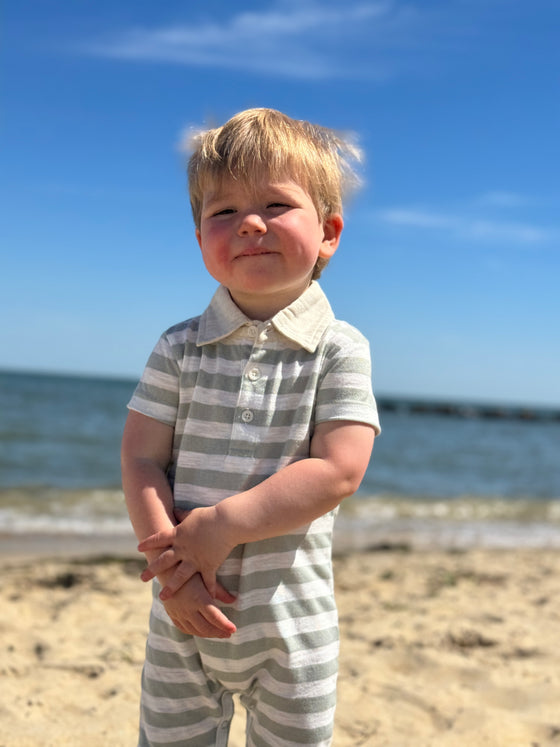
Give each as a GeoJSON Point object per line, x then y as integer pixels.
{"type": "Point", "coordinates": [255, 252]}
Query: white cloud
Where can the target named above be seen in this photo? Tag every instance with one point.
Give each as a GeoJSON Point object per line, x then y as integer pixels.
{"type": "Point", "coordinates": [521, 233]}
{"type": "Point", "coordinates": [471, 227]}
{"type": "Point", "coordinates": [305, 39]}
{"type": "Point", "coordinates": [416, 218]}
{"type": "Point", "coordinates": [502, 198]}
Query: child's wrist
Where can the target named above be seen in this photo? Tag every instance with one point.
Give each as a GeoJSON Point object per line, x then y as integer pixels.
{"type": "Point", "coordinates": [225, 527]}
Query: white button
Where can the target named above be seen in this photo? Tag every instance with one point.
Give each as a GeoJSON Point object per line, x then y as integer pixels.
{"type": "Point", "coordinates": [247, 416]}
{"type": "Point", "coordinates": [254, 374]}
{"type": "Point", "coordinates": [252, 331]}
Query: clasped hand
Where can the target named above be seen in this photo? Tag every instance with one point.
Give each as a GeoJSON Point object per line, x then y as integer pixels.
{"type": "Point", "coordinates": [194, 545]}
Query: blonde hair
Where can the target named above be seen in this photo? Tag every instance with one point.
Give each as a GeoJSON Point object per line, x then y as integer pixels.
{"type": "Point", "coordinates": [259, 143]}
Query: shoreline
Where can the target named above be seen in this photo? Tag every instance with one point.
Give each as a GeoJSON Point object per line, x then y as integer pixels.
{"type": "Point", "coordinates": [351, 535]}
{"type": "Point", "coordinates": [64, 545]}
{"type": "Point", "coordinates": [439, 648]}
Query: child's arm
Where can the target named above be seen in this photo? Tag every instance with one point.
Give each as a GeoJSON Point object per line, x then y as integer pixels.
{"type": "Point", "coordinates": [291, 498]}
{"type": "Point", "coordinates": [145, 455]}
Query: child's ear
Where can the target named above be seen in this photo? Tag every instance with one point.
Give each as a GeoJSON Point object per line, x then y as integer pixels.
{"type": "Point", "coordinates": [198, 237]}
{"type": "Point", "coordinates": [332, 228]}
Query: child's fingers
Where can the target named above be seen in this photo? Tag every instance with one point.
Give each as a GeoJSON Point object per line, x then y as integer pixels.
{"type": "Point", "coordinates": [163, 562]}
{"type": "Point", "coordinates": [158, 540]}
{"type": "Point", "coordinates": [203, 628]}
{"type": "Point", "coordinates": [193, 611]}
{"type": "Point", "coordinates": [183, 573]}
{"type": "Point", "coordinates": [223, 595]}
{"type": "Point", "coordinates": [217, 620]}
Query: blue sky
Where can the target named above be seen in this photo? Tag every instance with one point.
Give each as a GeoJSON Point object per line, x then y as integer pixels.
{"type": "Point", "coordinates": [449, 261]}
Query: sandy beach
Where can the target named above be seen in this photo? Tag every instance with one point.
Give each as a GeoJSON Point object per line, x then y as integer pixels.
{"type": "Point", "coordinates": [438, 648]}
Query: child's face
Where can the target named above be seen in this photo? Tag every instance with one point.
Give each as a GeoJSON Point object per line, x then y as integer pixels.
{"type": "Point", "coordinates": [262, 242]}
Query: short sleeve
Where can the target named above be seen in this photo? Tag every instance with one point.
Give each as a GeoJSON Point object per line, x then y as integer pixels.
{"type": "Point", "coordinates": [345, 389]}
{"type": "Point", "coordinates": [157, 393]}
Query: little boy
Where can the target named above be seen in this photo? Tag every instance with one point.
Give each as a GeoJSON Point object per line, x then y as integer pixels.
{"type": "Point", "coordinates": [251, 423]}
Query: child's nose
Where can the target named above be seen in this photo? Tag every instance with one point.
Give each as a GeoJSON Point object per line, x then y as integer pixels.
{"type": "Point", "coordinates": [251, 223]}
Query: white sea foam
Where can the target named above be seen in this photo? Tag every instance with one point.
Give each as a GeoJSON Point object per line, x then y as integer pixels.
{"type": "Point", "coordinates": [364, 521]}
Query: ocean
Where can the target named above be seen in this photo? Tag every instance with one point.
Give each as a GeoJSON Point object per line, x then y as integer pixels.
{"type": "Point", "coordinates": [442, 474]}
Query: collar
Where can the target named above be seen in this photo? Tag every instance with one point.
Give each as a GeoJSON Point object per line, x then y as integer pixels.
{"type": "Point", "coordinates": [304, 321]}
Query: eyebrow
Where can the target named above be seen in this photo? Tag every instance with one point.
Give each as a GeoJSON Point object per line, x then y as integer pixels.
{"type": "Point", "coordinates": [211, 198]}
{"type": "Point", "coordinates": [276, 188]}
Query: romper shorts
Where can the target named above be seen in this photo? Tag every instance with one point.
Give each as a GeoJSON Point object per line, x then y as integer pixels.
{"type": "Point", "coordinates": [286, 681]}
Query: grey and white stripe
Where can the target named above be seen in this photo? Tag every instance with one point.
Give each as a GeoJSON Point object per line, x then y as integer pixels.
{"type": "Point", "coordinates": [243, 398]}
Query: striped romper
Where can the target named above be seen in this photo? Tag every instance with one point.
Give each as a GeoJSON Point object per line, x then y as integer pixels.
{"type": "Point", "coordinates": [243, 398]}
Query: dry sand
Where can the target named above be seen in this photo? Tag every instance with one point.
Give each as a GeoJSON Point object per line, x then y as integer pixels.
{"type": "Point", "coordinates": [438, 648]}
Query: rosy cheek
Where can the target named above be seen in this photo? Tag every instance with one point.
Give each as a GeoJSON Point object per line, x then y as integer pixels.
{"type": "Point", "coordinates": [216, 247]}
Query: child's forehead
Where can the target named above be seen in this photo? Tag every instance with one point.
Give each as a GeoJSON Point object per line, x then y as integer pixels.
{"type": "Point", "coordinates": [227, 185]}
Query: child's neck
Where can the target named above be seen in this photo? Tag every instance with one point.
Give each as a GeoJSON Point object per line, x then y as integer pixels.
{"type": "Point", "coordinates": [262, 308]}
